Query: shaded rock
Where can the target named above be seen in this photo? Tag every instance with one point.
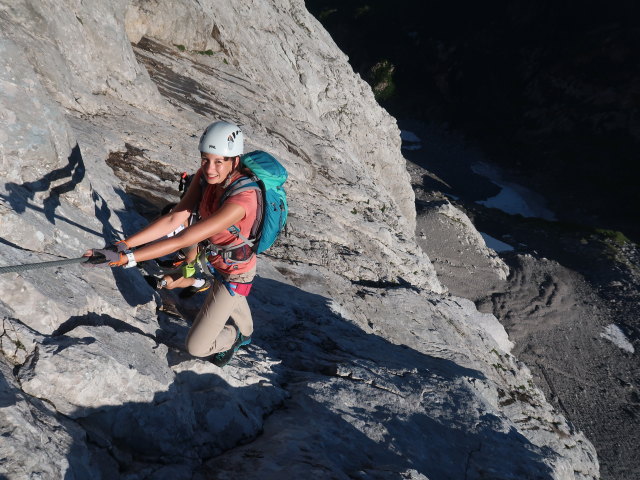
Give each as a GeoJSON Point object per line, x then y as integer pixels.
{"type": "Point", "coordinates": [96, 367]}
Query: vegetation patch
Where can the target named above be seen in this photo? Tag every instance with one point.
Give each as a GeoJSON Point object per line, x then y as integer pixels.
{"type": "Point", "coordinates": [381, 80]}
{"type": "Point", "coordinates": [360, 11]}
{"type": "Point", "coordinates": [182, 48]}
{"type": "Point", "coordinates": [324, 14]}
{"type": "Point", "coordinates": [617, 237]}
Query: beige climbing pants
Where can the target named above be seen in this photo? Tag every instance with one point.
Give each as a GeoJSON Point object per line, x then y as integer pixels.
{"type": "Point", "coordinates": [211, 332]}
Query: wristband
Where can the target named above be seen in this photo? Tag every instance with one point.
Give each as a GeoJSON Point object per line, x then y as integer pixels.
{"type": "Point", "coordinates": [131, 260]}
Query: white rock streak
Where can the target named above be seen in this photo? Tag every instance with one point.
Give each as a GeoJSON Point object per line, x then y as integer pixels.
{"type": "Point", "coordinates": [615, 335]}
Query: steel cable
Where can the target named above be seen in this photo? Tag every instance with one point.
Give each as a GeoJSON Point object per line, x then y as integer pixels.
{"type": "Point", "coordinates": [33, 266]}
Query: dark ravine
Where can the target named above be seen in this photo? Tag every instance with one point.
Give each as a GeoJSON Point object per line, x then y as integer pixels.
{"type": "Point", "coordinates": [549, 90]}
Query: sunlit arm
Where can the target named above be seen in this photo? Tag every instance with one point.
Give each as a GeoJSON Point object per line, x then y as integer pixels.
{"type": "Point", "coordinates": [228, 215]}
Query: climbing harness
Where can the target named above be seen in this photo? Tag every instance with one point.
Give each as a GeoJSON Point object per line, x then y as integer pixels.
{"type": "Point", "coordinates": [95, 259]}
{"type": "Point", "coordinates": [232, 287]}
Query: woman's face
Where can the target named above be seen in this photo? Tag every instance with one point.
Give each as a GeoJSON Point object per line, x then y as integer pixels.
{"type": "Point", "coordinates": [216, 168]}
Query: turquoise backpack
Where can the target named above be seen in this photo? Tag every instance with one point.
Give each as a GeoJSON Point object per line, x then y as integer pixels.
{"type": "Point", "coordinates": [268, 178]}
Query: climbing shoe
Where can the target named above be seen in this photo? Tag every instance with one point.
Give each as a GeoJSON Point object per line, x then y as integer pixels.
{"type": "Point", "coordinates": [220, 359]}
{"type": "Point", "coordinates": [192, 290]}
{"type": "Point", "coordinates": [174, 262]}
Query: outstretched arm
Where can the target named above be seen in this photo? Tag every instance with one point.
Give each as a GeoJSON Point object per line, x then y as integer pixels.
{"type": "Point", "coordinates": [228, 215]}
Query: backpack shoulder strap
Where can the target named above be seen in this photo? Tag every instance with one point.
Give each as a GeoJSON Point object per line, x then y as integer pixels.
{"type": "Point", "coordinates": [240, 185]}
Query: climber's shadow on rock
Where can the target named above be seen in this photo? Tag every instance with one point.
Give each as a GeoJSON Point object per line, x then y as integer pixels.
{"type": "Point", "coordinates": [20, 196]}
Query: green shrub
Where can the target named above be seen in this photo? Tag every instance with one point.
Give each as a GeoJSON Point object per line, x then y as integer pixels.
{"type": "Point", "coordinates": [617, 237]}
{"type": "Point", "coordinates": [360, 11]}
{"type": "Point", "coordinates": [324, 14]}
{"type": "Point", "coordinates": [381, 80]}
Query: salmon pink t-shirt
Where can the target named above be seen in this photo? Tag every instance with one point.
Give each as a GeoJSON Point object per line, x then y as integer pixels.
{"type": "Point", "coordinates": [210, 204]}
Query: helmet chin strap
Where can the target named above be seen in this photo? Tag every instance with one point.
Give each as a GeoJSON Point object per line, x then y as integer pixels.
{"type": "Point", "coordinates": [227, 180]}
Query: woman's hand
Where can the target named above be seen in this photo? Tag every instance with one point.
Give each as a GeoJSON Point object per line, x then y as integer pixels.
{"type": "Point", "coordinates": [105, 257]}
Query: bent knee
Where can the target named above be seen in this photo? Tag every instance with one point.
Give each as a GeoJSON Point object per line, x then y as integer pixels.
{"type": "Point", "coordinates": [197, 349]}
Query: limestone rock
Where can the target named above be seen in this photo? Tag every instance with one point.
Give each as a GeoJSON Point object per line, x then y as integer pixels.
{"type": "Point", "coordinates": [35, 440]}
{"type": "Point", "coordinates": [96, 367]}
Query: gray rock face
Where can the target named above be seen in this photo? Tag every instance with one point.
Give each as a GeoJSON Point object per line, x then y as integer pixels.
{"type": "Point", "coordinates": [361, 366]}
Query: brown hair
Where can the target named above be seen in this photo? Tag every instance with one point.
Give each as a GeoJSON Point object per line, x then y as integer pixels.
{"type": "Point", "coordinates": [243, 170]}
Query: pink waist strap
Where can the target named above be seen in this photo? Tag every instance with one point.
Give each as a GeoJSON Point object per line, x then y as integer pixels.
{"type": "Point", "coordinates": [240, 288]}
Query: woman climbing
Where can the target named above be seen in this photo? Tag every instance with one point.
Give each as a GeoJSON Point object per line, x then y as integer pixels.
{"type": "Point", "coordinates": [224, 322]}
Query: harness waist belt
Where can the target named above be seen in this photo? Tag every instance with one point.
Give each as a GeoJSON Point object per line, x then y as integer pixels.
{"type": "Point", "coordinates": [232, 287]}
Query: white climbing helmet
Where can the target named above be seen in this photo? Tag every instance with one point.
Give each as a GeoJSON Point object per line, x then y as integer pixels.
{"type": "Point", "coordinates": [222, 138]}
